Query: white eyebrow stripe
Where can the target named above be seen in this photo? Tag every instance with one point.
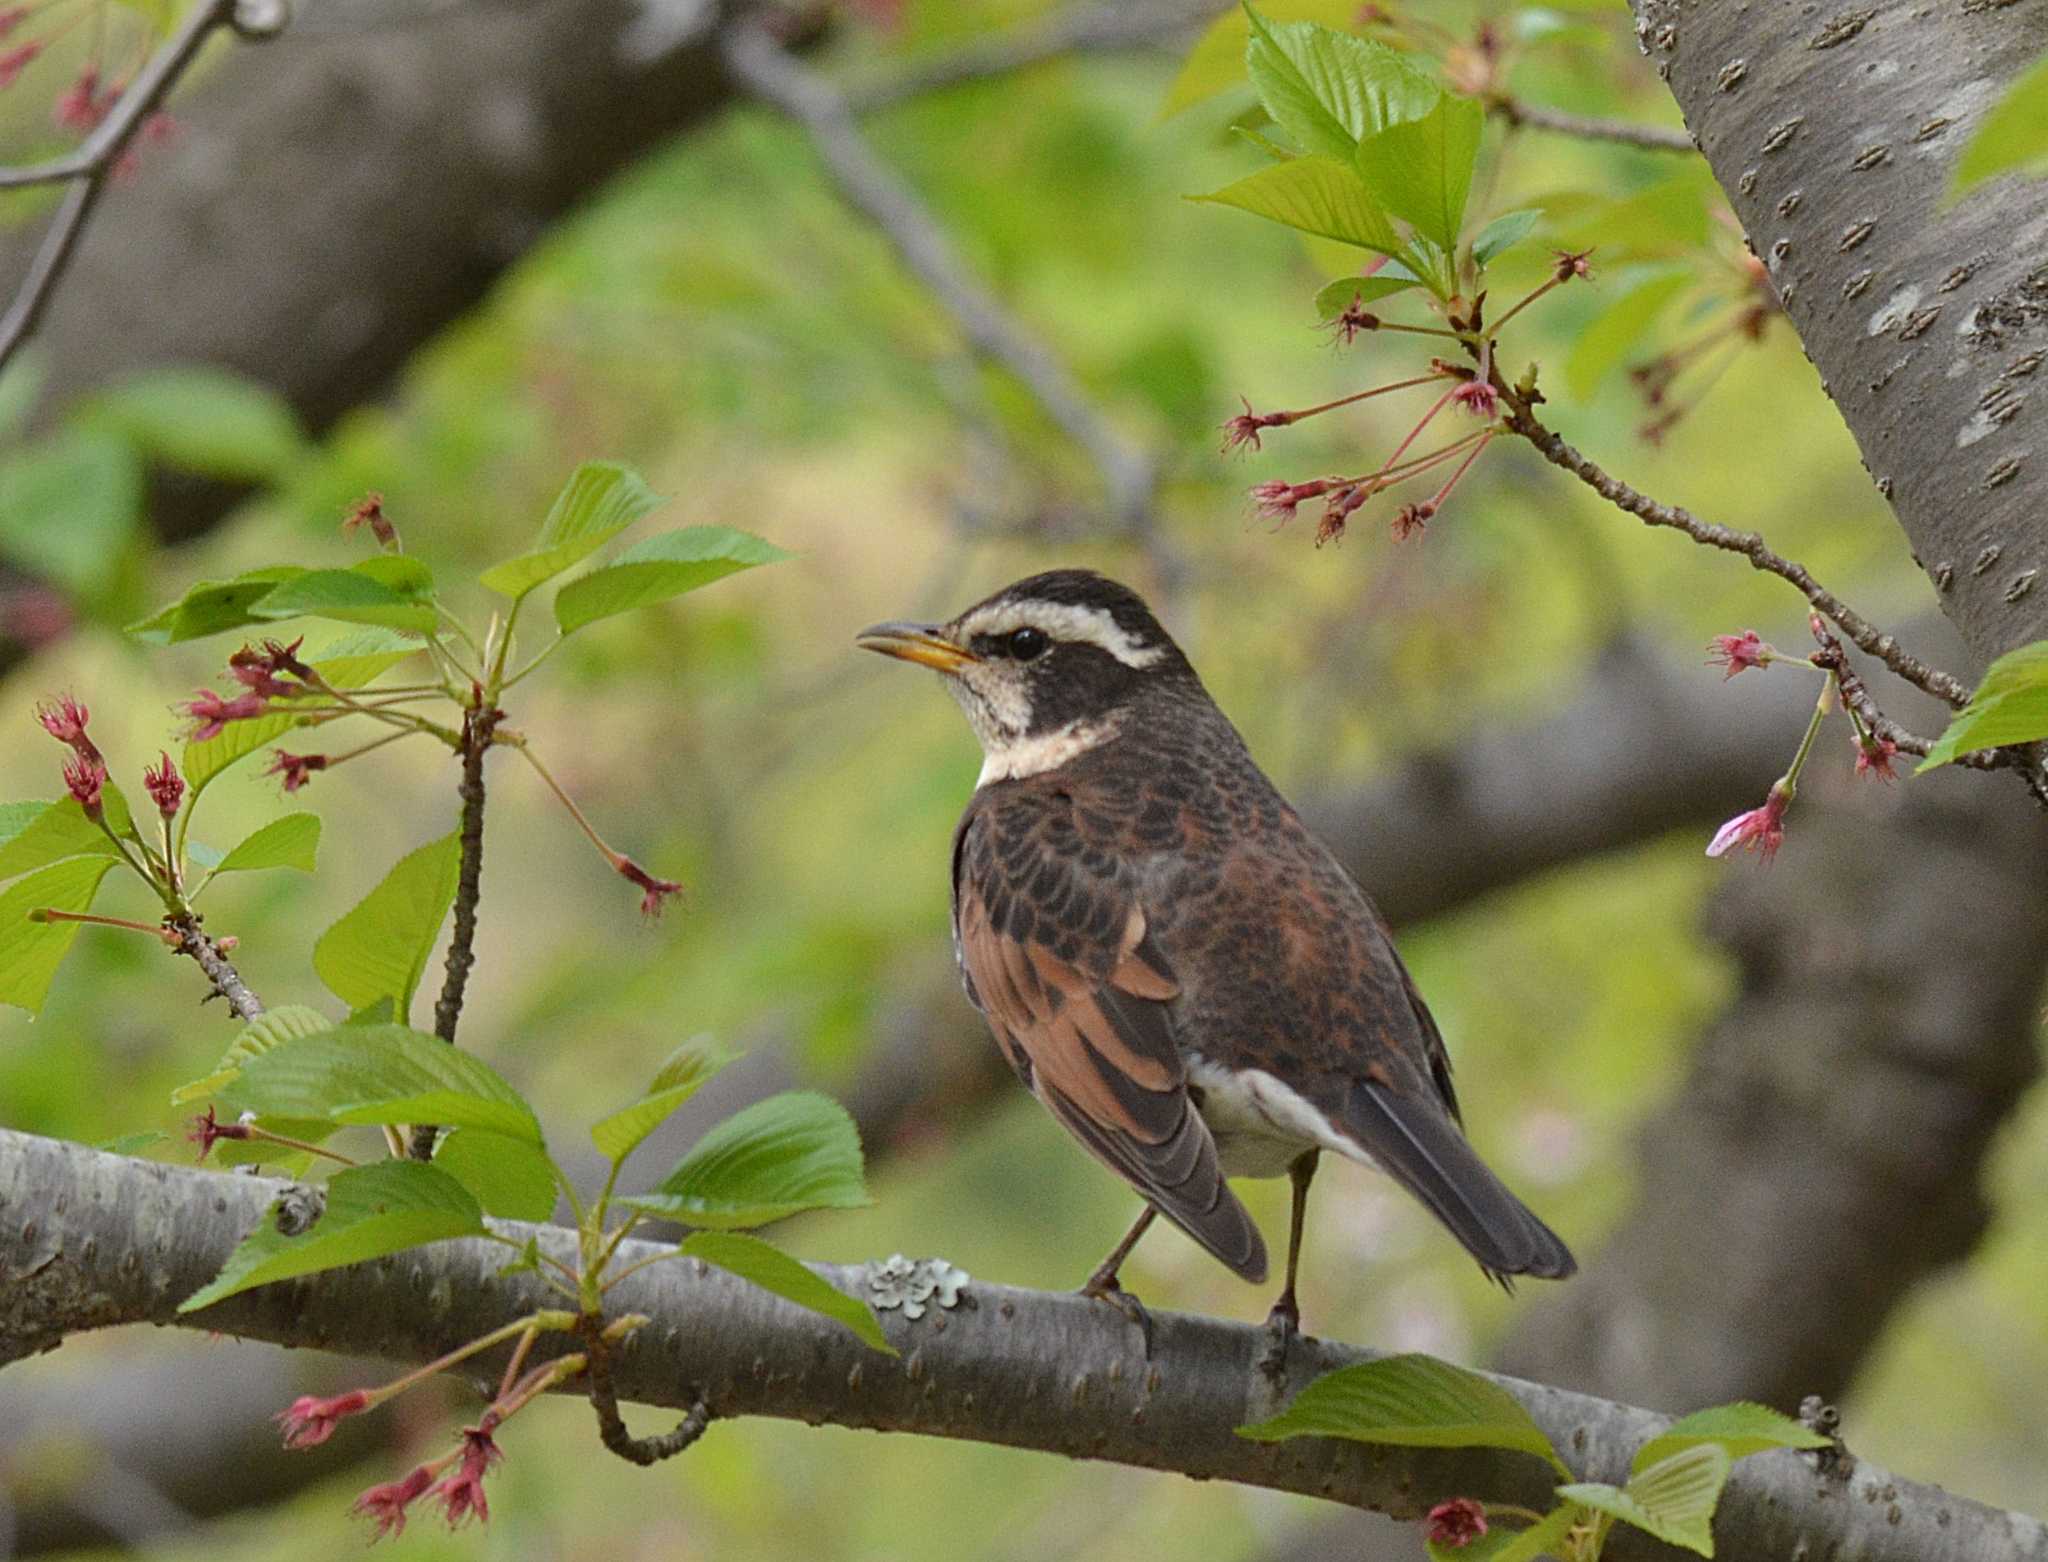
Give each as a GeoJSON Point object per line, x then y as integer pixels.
{"type": "Point", "coordinates": [1066, 621]}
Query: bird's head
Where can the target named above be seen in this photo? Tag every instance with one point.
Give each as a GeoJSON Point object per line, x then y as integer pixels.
{"type": "Point", "coordinates": [1044, 668]}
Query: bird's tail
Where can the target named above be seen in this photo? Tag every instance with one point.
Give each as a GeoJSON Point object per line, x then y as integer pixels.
{"type": "Point", "coordinates": [1414, 1141]}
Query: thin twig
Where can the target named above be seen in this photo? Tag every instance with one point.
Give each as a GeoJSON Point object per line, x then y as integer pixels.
{"type": "Point", "coordinates": [1866, 636]}
{"type": "Point", "coordinates": [604, 1399]}
{"type": "Point", "coordinates": [478, 723]}
{"type": "Point", "coordinates": [1856, 696]}
{"type": "Point", "coordinates": [760, 64]}
{"type": "Point", "coordinates": [227, 981]}
{"type": "Point", "coordinates": [1079, 31]}
{"type": "Point", "coordinates": [93, 163]}
{"type": "Point", "coordinates": [1651, 138]}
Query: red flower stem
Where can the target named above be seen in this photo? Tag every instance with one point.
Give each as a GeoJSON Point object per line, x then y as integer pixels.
{"type": "Point", "coordinates": [1420, 330]}
{"type": "Point", "coordinates": [1415, 432]}
{"type": "Point", "coordinates": [551, 1319]}
{"type": "Point", "coordinates": [1790, 779]}
{"type": "Point", "coordinates": [1387, 476]}
{"type": "Point", "coordinates": [1364, 395]}
{"type": "Point", "coordinates": [518, 741]}
{"type": "Point", "coordinates": [299, 1144]}
{"type": "Point", "coordinates": [1535, 293]}
{"type": "Point", "coordinates": [518, 1360]}
{"type": "Point", "coordinates": [538, 1382]}
{"type": "Point", "coordinates": [52, 914]}
{"type": "Point", "coordinates": [1464, 466]}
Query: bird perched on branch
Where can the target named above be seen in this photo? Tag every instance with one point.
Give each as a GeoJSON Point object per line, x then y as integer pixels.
{"type": "Point", "coordinates": [1184, 975]}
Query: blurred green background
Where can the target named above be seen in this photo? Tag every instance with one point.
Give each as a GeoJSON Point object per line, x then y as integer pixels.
{"type": "Point", "coordinates": [718, 320]}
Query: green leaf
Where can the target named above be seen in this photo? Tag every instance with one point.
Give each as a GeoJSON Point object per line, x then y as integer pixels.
{"type": "Point", "coordinates": [658, 568]}
{"type": "Point", "coordinates": [1216, 63]}
{"type": "Point", "coordinates": [30, 952]}
{"type": "Point", "coordinates": [205, 758]}
{"type": "Point", "coordinates": [380, 949]}
{"type": "Point", "coordinates": [600, 500]}
{"type": "Point", "coordinates": [1672, 1499]}
{"type": "Point", "coordinates": [16, 817]}
{"type": "Point", "coordinates": [1315, 195]}
{"type": "Point", "coordinates": [2014, 134]}
{"type": "Point", "coordinates": [271, 1029]}
{"type": "Point", "coordinates": [212, 607]}
{"type": "Point", "coordinates": [392, 590]}
{"type": "Point", "coordinates": [1741, 1429]}
{"type": "Point", "coordinates": [1503, 234]}
{"type": "Point", "coordinates": [1415, 1401]}
{"type": "Point", "coordinates": [680, 1078]}
{"type": "Point", "coordinates": [1421, 169]}
{"type": "Point", "coordinates": [794, 1151]}
{"type": "Point", "coordinates": [383, 1074]}
{"type": "Point", "coordinates": [289, 842]}
{"type": "Point", "coordinates": [1621, 328]}
{"type": "Point", "coordinates": [510, 1178]}
{"type": "Point", "coordinates": [1336, 297]}
{"type": "Point", "coordinates": [69, 507]}
{"type": "Point", "coordinates": [1666, 220]}
{"type": "Point", "coordinates": [55, 831]}
{"type": "Point", "coordinates": [2010, 706]}
{"type": "Point", "coordinates": [204, 420]}
{"type": "Point", "coordinates": [773, 1270]}
{"type": "Point", "coordinates": [370, 1211]}
{"type": "Point", "coordinates": [1329, 90]}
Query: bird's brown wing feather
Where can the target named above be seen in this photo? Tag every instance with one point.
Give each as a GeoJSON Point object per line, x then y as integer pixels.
{"type": "Point", "coordinates": [1086, 1026]}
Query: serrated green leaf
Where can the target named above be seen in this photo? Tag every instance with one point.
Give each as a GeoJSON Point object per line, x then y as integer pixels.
{"type": "Point", "coordinates": [1216, 63]}
{"type": "Point", "coordinates": [1741, 1429]}
{"type": "Point", "coordinates": [203, 759]}
{"type": "Point", "coordinates": [792, 1152]}
{"type": "Point", "coordinates": [204, 420]}
{"type": "Point", "coordinates": [510, 1178]}
{"type": "Point", "coordinates": [1329, 90]}
{"type": "Point", "coordinates": [658, 568]}
{"type": "Point", "coordinates": [1335, 297]}
{"type": "Point", "coordinates": [773, 1270]}
{"type": "Point", "coordinates": [680, 1078]}
{"type": "Point", "coordinates": [1315, 195]}
{"type": "Point", "coordinates": [2010, 706]}
{"type": "Point", "coordinates": [16, 817]}
{"type": "Point", "coordinates": [1621, 328]}
{"type": "Point", "coordinates": [1412, 1400]}
{"type": "Point", "coordinates": [212, 607]}
{"type": "Point", "coordinates": [289, 842]}
{"type": "Point", "coordinates": [1503, 234]}
{"type": "Point", "coordinates": [70, 505]}
{"type": "Point", "coordinates": [1421, 169]}
{"type": "Point", "coordinates": [2014, 134]}
{"type": "Point", "coordinates": [383, 1074]}
{"type": "Point", "coordinates": [600, 500]}
{"type": "Point", "coordinates": [271, 1029]}
{"type": "Point", "coordinates": [1672, 1499]}
{"type": "Point", "coordinates": [391, 590]}
{"type": "Point", "coordinates": [55, 831]}
{"type": "Point", "coordinates": [380, 949]}
{"type": "Point", "coordinates": [370, 1211]}
{"type": "Point", "coordinates": [30, 952]}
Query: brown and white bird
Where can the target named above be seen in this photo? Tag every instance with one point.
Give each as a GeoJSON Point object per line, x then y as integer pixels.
{"type": "Point", "coordinates": [1184, 975]}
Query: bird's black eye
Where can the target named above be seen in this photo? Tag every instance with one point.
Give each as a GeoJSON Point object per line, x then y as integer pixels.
{"type": "Point", "coordinates": [1028, 643]}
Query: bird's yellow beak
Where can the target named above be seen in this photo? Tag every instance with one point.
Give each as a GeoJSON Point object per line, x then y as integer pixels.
{"type": "Point", "coordinates": [925, 644]}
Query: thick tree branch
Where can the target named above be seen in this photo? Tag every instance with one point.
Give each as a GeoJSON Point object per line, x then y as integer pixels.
{"type": "Point", "coordinates": [1833, 131]}
{"type": "Point", "coordinates": [1031, 1370]}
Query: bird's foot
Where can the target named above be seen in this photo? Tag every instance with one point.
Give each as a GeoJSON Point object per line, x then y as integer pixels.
{"type": "Point", "coordinates": [1283, 1328]}
{"type": "Point", "coordinates": [1104, 1288]}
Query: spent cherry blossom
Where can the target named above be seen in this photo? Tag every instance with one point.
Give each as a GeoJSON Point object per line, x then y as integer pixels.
{"type": "Point", "coordinates": [1761, 830]}
{"type": "Point", "coordinates": [1455, 1524]}
{"type": "Point", "coordinates": [309, 1421]}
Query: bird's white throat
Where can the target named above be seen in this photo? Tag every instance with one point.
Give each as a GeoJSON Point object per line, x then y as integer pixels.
{"type": "Point", "coordinates": [1011, 759]}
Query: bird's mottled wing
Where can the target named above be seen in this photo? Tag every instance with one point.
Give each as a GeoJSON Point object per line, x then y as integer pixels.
{"type": "Point", "coordinates": [1054, 950]}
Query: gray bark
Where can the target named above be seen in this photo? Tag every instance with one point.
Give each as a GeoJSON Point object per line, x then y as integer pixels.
{"type": "Point", "coordinates": [1058, 1373]}
{"type": "Point", "coordinates": [1834, 129]}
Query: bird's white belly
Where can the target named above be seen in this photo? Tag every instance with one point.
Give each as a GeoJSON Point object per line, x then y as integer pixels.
{"type": "Point", "coordinates": [1262, 1126]}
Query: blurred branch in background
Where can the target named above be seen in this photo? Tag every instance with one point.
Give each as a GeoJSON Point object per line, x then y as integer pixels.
{"type": "Point", "coordinates": [1650, 138]}
{"type": "Point", "coordinates": [88, 169]}
{"type": "Point", "coordinates": [1024, 1369]}
{"type": "Point", "coordinates": [1129, 475]}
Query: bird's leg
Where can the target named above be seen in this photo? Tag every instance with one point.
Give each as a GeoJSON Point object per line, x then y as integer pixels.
{"type": "Point", "coordinates": [1283, 1323]}
{"type": "Point", "coordinates": [1102, 1286]}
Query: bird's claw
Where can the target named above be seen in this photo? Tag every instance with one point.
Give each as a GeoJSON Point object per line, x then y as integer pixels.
{"type": "Point", "coordinates": [1102, 1288]}
{"type": "Point", "coordinates": [1283, 1328]}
